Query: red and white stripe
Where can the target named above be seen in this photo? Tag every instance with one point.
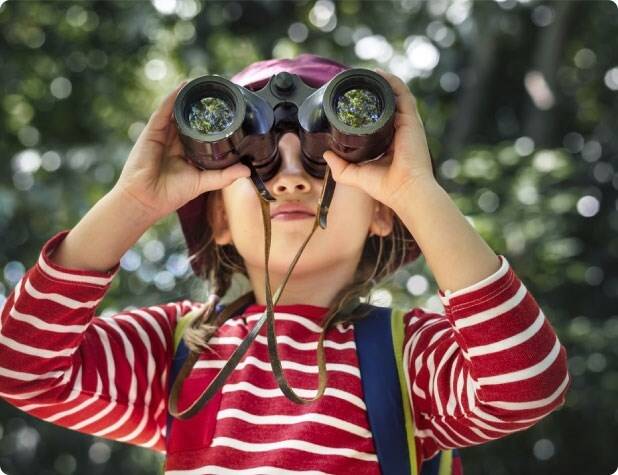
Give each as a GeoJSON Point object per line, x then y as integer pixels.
{"type": "Point", "coordinates": [489, 366]}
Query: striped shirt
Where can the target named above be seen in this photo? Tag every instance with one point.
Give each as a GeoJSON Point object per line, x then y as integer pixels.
{"type": "Point", "coordinates": [490, 365]}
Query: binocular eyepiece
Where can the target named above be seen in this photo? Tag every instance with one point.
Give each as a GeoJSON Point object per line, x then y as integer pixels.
{"type": "Point", "coordinates": [221, 123]}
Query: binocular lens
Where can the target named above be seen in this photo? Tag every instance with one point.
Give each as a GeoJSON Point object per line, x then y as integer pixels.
{"type": "Point", "coordinates": [358, 108]}
{"type": "Point", "coordinates": [210, 115]}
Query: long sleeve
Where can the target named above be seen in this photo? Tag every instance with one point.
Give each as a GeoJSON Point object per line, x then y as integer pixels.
{"type": "Point", "coordinates": [490, 366]}
{"type": "Point", "coordinates": [104, 376]}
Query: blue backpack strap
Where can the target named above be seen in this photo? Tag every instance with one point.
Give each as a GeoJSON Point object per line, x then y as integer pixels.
{"type": "Point", "coordinates": [387, 398]}
{"type": "Point", "coordinates": [442, 462]}
{"type": "Point", "coordinates": [382, 392]}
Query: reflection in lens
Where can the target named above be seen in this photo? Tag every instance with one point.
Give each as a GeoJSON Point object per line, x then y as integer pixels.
{"type": "Point", "coordinates": [358, 108]}
{"type": "Point", "coordinates": [210, 115]}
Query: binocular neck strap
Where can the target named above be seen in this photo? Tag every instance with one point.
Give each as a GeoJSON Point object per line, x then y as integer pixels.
{"type": "Point", "coordinates": [230, 310]}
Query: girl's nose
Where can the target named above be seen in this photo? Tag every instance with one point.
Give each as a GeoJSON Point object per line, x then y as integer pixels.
{"type": "Point", "coordinates": [291, 177]}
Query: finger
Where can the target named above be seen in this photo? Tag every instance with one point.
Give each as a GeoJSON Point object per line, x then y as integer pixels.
{"type": "Point", "coordinates": [169, 134]}
{"type": "Point", "coordinates": [407, 116]}
{"type": "Point", "coordinates": [343, 171]}
{"type": "Point", "coordinates": [160, 118]}
{"type": "Point", "coordinates": [174, 143]}
{"type": "Point", "coordinates": [169, 150]}
{"type": "Point", "coordinates": [405, 120]}
{"type": "Point", "coordinates": [410, 136]}
{"type": "Point", "coordinates": [406, 102]}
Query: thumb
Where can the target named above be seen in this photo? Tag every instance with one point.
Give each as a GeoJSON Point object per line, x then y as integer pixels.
{"type": "Point", "coordinates": [217, 179]}
{"type": "Point", "coordinates": [343, 171]}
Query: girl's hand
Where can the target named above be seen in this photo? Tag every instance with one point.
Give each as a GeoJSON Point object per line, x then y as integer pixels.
{"type": "Point", "coordinates": [406, 161]}
{"type": "Point", "coordinates": [158, 176]}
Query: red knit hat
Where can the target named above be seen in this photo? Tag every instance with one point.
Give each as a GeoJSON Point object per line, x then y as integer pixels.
{"type": "Point", "coordinates": [313, 70]}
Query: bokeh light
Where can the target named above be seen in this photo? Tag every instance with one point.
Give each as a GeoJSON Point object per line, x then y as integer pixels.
{"type": "Point", "coordinates": [518, 102]}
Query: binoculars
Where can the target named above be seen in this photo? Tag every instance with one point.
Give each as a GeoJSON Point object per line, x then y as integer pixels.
{"type": "Point", "coordinates": [221, 123]}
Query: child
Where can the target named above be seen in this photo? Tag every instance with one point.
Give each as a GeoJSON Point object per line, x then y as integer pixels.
{"type": "Point", "coordinates": [489, 366]}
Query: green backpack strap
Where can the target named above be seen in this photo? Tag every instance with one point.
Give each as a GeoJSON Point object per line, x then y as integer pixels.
{"type": "Point", "coordinates": [397, 331]}
{"type": "Point", "coordinates": [442, 464]}
{"type": "Point", "coordinates": [181, 324]}
{"type": "Point", "coordinates": [446, 463]}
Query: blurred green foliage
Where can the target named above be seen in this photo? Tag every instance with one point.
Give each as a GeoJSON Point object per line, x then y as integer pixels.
{"type": "Point", "coordinates": [520, 104]}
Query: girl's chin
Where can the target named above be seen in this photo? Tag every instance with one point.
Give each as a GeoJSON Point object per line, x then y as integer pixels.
{"type": "Point", "coordinates": [280, 260]}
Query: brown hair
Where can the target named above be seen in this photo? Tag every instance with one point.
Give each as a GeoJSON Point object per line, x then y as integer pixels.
{"type": "Point", "coordinates": [381, 256]}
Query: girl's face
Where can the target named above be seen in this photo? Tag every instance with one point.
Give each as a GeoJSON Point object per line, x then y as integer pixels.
{"type": "Point", "coordinates": [235, 216]}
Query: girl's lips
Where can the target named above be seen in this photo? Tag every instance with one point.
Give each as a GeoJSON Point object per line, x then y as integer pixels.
{"type": "Point", "coordinates": [291, 209]}
{"type": "Point", "coordinates": [292, 216]}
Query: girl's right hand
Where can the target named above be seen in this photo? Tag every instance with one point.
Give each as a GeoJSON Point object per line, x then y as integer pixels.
{"type": "Point", "coordinates": [158, 176]}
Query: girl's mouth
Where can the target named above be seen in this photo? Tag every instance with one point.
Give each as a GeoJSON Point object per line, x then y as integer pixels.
{"type": "Point", "coordinates": [292, 216]}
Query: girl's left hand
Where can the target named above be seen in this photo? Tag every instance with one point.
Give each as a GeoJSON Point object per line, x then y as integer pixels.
{"type": "Point", "coordinates": [404, 163]}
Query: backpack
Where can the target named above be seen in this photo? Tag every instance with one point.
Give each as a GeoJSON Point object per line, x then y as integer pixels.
{"type": "Point", "coordinates": [384, 387]}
